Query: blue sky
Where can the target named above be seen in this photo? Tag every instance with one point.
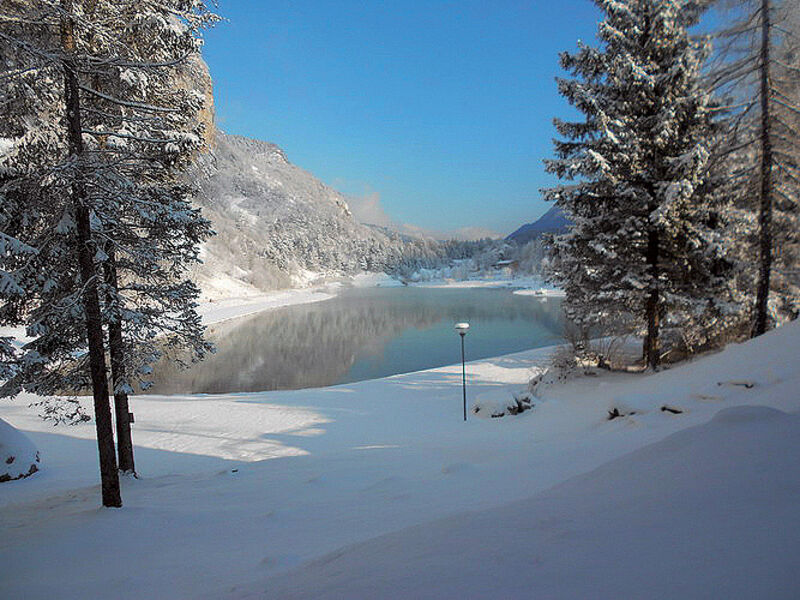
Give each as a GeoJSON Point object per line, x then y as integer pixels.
{"type": "Point", "coordinates": [436, 114]}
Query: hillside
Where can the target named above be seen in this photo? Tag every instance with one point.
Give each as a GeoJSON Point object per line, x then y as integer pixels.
{"type": "Point", "coordinates": [277, 225]}
{"type": "Point", "coordinates": [553, 221]}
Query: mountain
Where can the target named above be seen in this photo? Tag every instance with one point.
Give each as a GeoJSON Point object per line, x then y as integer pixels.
{"type": "Point", "coordinates": [553, 221]}
{"type": "Point", "coordinates": [278, 226]}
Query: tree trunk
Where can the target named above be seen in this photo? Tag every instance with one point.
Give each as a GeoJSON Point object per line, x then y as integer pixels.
{"type": "Point", "coordinates": [109, 475]}
{"type": "Point", "coordinates": [652, 350]}
{"type": "Point", "coordinates": [117, 351]}
{"type": "Point", "coordinates": [765, 200]}
{"type": "Point", "coordinates": [652, 345]}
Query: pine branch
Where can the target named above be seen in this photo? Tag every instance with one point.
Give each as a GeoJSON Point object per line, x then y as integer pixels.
{"type": "Point", "coordinates": [787, 105]}
{"type": "Point", "coordinates": [129, 104]}
{"type": "Point", "coordinates": [129, 136]}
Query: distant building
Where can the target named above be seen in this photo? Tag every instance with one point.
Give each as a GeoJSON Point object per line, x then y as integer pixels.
{"type": "Point", "coordinates": [511, 265]}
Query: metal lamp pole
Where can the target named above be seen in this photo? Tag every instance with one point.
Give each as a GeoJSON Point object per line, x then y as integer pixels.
{"type": "Point", "coordinates": [462, 328]}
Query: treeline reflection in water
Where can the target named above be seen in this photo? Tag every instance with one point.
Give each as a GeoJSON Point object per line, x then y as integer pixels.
{"type": "Point", "coordinates": [363, 334]}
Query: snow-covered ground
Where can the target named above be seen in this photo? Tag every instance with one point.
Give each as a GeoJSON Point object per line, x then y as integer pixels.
{"type": "Point", "coordinates": [217, 311]}
{"type": "Point", "coordinates": [18, 455]}
{"type": "Point", "coordinates": [379, 490]}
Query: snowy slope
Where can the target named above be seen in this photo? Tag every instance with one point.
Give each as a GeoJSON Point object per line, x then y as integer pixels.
{"type": "Point", "coordinates": [277, 225]}
{"type": "Point", "coordinates": [273, 494]}
{"type": "Point", "coordinates": [710, 512]}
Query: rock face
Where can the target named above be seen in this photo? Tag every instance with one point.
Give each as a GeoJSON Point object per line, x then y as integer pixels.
{"type": "Point", "coordinates": [194, 75]}
{"type": "Point", "coordinates": [18, 456]}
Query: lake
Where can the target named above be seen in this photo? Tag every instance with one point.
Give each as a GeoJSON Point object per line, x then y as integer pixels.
{"type": "Point", "coordinates": [364, 334]}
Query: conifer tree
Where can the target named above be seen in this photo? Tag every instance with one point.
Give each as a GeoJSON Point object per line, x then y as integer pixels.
{"type": "Point", "coordinates": [644, 249]}
{"type": "Point", "coordinates": [91, 184]}
{"type": "Point", "coordinates": [758, 68]}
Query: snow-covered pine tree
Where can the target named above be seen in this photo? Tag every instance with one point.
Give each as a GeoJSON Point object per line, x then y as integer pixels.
{"type": "Point", "coordinates": [113, 189]}
{"type": "Point", "coordinates": [644, 249]}
{"type": "Point", "coordinates": [757, 65]}
{"type": "Point", "coordinates": [144, 124]}
{"type": "Point", "coordinates": [39, 52]}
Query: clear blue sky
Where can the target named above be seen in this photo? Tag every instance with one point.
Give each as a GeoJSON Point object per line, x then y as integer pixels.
{"type": "Point", "coordinates": [442, 110]}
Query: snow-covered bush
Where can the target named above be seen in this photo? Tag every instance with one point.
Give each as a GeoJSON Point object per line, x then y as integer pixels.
{"type": "Point", "coordinates": [563, 366]}
{"type": "Point", "coordinates": [580, 355]}
{"type": "Point", "coordinates": [18, 456]}
{"type": "Point", "coordinates": [61, 410]}
{"type": "Point", "coordinates": [492, 405]}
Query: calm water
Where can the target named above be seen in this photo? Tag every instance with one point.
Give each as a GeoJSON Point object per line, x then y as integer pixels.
{"type": "Point", "coordinates": [365, 334]}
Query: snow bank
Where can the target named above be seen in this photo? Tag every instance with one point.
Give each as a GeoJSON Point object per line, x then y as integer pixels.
{"type": "Point", "coordinates": [19, 457]}
{"type": "Point", "coordinates": [682, 518]}
{"type": "Point", "coordinates": [363, 280]}
{"type": "Point", "coordinates": [524, 286]}
{"type": "Point", "coordinates": [222, 286]}
{"type": "Point", "coordinates": [540, 292]}
{"type": "Point", "coordinates": [231, 308]}
{"type": "Point", "coordinates": [229, 300]}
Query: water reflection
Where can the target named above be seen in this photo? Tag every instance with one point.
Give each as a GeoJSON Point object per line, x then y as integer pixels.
{"type": "Point", "coordinates": [363, 334]}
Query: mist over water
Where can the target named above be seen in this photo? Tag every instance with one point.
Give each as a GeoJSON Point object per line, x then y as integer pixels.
{"type": "Point", "coordinates": [364, 334]}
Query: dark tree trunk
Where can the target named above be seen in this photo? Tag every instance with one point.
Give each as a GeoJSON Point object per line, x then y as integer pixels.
{"type": "Point", "coordinates": [651, 350]}
{"type": "Point", "coordinates": [117, 351]}
{"type": "Point", "coordinates": [652, 347]}
{"type": "Point", "coordinates": [109, 475]}
{"type": "Point", "coordinates": [765, 199]}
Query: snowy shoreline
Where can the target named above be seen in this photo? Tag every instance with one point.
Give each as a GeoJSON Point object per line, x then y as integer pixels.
{"type": "Point", "coordinates": [215, 311]}
{"type": "Point", "coordinates": [218, 311]}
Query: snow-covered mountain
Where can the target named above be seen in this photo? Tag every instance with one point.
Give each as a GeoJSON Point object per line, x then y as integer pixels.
{"type": "Point", "coordinates": [553, 221]}
{"type": "Point", "coordinates": [279, 226]}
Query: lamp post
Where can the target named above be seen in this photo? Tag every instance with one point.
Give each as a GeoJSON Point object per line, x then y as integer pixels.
{"type": "Point", "coordinates": [462, 328]}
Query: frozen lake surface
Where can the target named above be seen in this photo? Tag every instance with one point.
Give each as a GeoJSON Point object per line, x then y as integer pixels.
{"type": "Point", "coordinates": [364, 334]}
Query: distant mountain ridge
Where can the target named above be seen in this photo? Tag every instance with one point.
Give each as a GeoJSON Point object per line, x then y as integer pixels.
{"type": "Point", "coordinates": [553, 221]}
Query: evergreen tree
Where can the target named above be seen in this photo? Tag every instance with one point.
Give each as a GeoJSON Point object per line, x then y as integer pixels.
{"type": "Point", "coordinates": [758, 67]}
{"type": "Point", "coordinates": [111, 226]}
{"type": "Point", "coordinates": [644, 249]}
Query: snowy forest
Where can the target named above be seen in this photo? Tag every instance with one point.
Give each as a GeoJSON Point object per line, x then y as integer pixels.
{"type": "Point", "coordinates": [684, 174]}
{"type": "Point", "coordinates": [124, 209]}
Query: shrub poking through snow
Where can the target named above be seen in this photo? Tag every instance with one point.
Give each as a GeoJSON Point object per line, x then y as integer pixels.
{"type": "Point", "coordinates": [490, 405]}
{"type": "Point", "coordinates": [615, 413]}
{"type": "Point", "coordinates": [18, 456]}
{"type": "Point", "coordinates": [564, 365]}
{"type": "Point", "coordinates": [61, 410]}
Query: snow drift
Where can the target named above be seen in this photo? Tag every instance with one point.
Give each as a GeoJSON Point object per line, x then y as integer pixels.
{"type": "Point", "coordinates": [708, 512]}
{"type": "Point", "coordinates": [18, 454]}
